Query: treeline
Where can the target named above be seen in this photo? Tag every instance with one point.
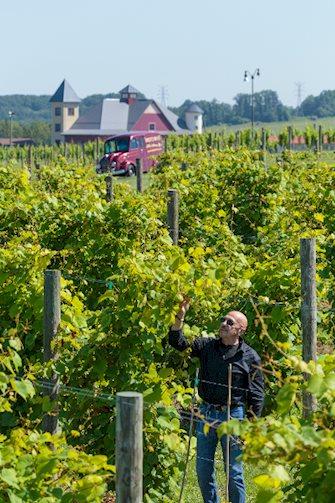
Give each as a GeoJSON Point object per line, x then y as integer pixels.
{"type": "Point", "coordinates": [38, 131]}
{"type": "Point", "coordinates": [267, 108]}
{"type": "Point", "coordinates": [318, 106]}
{"type": "Point", "coordinates": [32, 113]}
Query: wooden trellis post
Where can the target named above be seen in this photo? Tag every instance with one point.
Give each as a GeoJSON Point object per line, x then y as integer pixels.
{"type": "Point", "coordinates": [52, 315]}
{"type": "Point", "coordinates": [289, 137]}
{"type": "Point", "coordinates": [173, 215]}
{"type": "Point", "coordinates": [109, 188]}
{"type": "Point", "coordinates": [129, 447]}
{"type": "Point", "coordinates": [139, 175]}
{"type": "Point", "coordinates": [308, 310]}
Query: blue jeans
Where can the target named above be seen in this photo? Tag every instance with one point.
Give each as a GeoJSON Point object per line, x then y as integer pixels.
{"type": "Point", "coordinates": [206, 447]}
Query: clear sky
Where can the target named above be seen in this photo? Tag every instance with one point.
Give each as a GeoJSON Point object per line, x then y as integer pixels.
{"type": "Point", "coordinates": [196, 49]}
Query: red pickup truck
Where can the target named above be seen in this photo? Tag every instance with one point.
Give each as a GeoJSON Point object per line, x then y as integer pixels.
{"type": "Point", "coordinates": [121, 152]}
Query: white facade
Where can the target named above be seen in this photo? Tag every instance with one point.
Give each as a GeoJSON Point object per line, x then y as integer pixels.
{"type": "Point", "coordinates": [194, 121]}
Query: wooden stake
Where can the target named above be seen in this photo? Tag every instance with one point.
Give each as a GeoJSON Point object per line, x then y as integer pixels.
{"type": "Point", "coordinates": [263, 140]}
{"type": "Point", "coordinates": [97, 150]}
{"type": "Point", "coordinates": [264, 147]}
{"type": "Point", "coordinates": [237, 139]}
{"type": "Point", "coordinates": [320, 143]}
{"type": "Point", "coordinates": [230, 375]}
{"type": "Point", "coordinates": [109, 188]}
{"type": "Point", "coordinates": [173, 215]}
{"type": "Point", "coordinates": [30, 158]}
{"type": "Point", "coordinates": [308, 311]}
{"type": "Point", "coordinates": [129, 447]}
{"type": "Point", "coordinates": [289, 137]}
{"type": "Point", "coordinates": [139, 175]}
{"type": "Point", "coordinates": [52, 315]}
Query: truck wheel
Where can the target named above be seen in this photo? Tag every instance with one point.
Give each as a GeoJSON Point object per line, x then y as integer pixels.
{"type": "Point", "coordinates": [131, 170]}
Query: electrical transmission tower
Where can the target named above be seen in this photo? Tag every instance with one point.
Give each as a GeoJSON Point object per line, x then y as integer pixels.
{"type": "Point", "coordinates": [163, 96]}
{"type": "Point", "coordinates": [299, 90]}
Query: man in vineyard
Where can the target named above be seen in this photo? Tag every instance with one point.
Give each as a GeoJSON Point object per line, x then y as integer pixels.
{"type": "Point", "coordinates": [247, 395]}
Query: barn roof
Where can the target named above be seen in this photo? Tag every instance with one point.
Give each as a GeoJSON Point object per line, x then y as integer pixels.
{"type": "Point", "coordinates": [136, 109]}
{"type": "Point", "coordinates": [112, 115]}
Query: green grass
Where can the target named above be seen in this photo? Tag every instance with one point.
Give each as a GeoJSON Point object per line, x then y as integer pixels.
{"type": "Point", "coordinates": [276, 127]}
{"type": "Point", "coordinates": [192, 492]}
{"type": "Point", "coordinates": [131, 180]}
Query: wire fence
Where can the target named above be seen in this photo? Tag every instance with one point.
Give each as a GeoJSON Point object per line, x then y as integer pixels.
{"type": "Point", "coordinates": [192, 415]}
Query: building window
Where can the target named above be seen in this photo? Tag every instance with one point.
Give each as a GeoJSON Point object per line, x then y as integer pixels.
{"type": "Point", "coordinates": [57, 111]}
{"type": "Point", "coordinates": [195, 117]}
{"type": "Point", "coordinates": [70, 111]}
{"type": "Point", "coordinates": [152, 126]}
{"type": "Point", "coordinates": [57, 128]}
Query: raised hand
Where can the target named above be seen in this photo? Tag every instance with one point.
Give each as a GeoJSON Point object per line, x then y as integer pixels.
{"type": "Point", "coordinates": [183, 307]}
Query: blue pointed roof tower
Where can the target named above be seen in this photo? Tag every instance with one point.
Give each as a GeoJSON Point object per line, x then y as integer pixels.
{"type": "Point", "coordinates": [65, 94]}
{"type": "Point", "coordinates": [129, 89]}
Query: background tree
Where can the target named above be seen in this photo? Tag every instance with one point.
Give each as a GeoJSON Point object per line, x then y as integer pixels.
{"type": "Point", "coordinates": [319, 106]}
{"type": "Point", "coordinates": [267, 107]}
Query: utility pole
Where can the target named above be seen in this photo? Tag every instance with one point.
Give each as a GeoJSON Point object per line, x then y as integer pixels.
{"type": "Point", "coordinates": [248, 74]}
{"type": "Point", "coordinates": [11, 114]}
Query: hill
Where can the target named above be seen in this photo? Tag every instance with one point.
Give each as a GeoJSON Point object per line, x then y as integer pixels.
{"type": "Point", "coordinates": [30, 108]}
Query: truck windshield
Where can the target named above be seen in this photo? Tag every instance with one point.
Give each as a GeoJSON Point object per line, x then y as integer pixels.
{"type": "Point", "coordinates": [117, 145]}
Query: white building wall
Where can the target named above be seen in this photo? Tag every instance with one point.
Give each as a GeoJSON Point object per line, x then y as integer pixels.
{"type": "Point", "coordinates": [194, 121]}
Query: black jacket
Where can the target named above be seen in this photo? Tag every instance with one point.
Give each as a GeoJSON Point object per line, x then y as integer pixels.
{"type": "Point", "coordinates": [247, 378]}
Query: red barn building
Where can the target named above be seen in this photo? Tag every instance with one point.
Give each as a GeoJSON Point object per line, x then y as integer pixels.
{"type": "Point", "coordinates": [117, 116]}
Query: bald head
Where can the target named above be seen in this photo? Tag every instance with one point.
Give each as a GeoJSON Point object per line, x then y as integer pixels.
{"type": "Point", "coordinates": [240, 319]}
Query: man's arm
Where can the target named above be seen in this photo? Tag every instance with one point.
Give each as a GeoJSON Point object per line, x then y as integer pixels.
{"type": "Point", "coordinates": [178, 341]}
{"type": "Point", "coordinates": [176, 337]}
{"type": "Point", "coordinates": [255, 399]}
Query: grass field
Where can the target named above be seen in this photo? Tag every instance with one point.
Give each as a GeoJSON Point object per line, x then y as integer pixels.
{"type": "Point", "coordinates": [131, 180]}
{"type": "Point", "coordinates": [276, 127]}
{"type": "Point", "coordinates": [192, 492]}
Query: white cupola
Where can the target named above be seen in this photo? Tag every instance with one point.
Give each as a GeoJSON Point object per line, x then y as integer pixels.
{"type": "Point", "coordinates": [193, 118]}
